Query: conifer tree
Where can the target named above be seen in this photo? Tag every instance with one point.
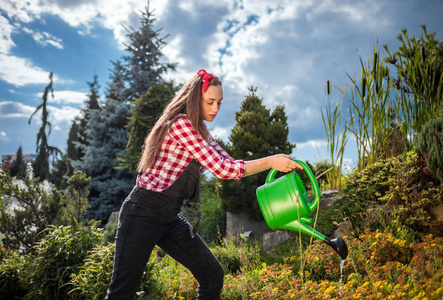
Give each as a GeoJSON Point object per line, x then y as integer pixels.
{"type": "Point", "coordinates": [19, 167]}
{"type": "Point", "coordinates": [91, 104]}
{"type": "Point", "coordinates": [44, 151]}
{"type": "Point", "coordinates": [144, 111]}
{"type": "Point", "coordinates": [107, 131]}
{"type": "Point", "coordinates": [117, 89]}
{"type": "Point", "coordinates": [257, 133]}
{"type": "Point", "coordinates": [142, 65]}
{"type": "Point", "coordinates": [63, 169]}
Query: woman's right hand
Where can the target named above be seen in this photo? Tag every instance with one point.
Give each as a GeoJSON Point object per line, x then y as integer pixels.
{"type": "Point", "coordinates": [284, 163]}
{"type": "Point", "coordinates": [280, 162]}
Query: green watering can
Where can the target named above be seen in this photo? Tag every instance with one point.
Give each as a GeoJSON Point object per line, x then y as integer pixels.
{"type": "Point", "coordinates": [285, 204]}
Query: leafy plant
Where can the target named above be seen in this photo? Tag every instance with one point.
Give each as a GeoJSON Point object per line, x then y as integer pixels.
{"type": "Point", "coordinates": [11, 283]}
{"type": "Point", "coordinates": [430, 146]}
{"type": "Point", "coordinates": [332, 118]}
{"type": "Point", "coordinates": [94, 275]}
{"type": "Point", "coordinates": [56, 257]}
{"type": "Point", "coordinates": [419, 64]}
{"type": "Point", "coordinates": [360, 201]}
{"type": "Point", "coordinates": [29, 206]}
{"type": "Point", "coordinates": [412, 191]}
{"type": "Point", "coordinates": [75, 204]}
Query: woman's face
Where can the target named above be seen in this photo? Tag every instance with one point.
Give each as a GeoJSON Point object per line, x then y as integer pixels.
{"type": "Point", "coordinates": [211, 102]}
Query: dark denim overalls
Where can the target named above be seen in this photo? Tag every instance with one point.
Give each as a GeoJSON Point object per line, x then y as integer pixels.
{"type": "Point", "coordinates": [149, 218]}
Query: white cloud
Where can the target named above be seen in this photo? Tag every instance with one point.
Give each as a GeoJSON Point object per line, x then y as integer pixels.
{"type": "Point", "coordinates": [221, 133]}
{"type": "Point", "coordinates": [21, 71]}
{"type": "Point", "coordinates": [2, 134]}
{"type": "Point", "coordinates": [6, 29]}
{"type": "Point", "coordinates": [62, 117]}
{"type": "Point", "coordinates": [44, 38]}
{"type": "Point", "coordinates": [312, 143]}
{"type": "Point", "coordinates": [11, 109]}
{"type": "Point", "coordinates": [66, 97]}
{"type": "Point", "coordinates": [59, 117]}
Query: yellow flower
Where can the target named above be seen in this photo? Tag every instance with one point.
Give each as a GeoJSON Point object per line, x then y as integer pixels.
{"type": "Point", "coordinates": [378, 283]}
{"type": "Point", "coordinates": [329, 289]}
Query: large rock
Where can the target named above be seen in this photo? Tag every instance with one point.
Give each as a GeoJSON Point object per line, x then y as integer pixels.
{"type": "Point", "coordinates": [241, 222]}
{"type": "Point", "coordinates": [435, 225]}
{"type": "Point", "coordinates": [343, 229]}
{"type": "Point", "coordinates": [272, 239]}
{"type": "Point", "coordinates": [327, 199]}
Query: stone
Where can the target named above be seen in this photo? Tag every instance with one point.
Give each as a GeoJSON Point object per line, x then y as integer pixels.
{"type": "Point", "coordinates": [272, 239]}
{"type": "Point", "coordinates": [435, 225]}
{"type": "Point", "coordinates": [113, 218]}
{"type": "Point", "coordinates": [343, 229]}
{"type": "Point", "coordinates": [237, 223]}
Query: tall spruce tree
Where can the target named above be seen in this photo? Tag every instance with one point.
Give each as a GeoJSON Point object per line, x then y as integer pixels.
{"type": "Point", "coordinates": [44, 151]}
{"type": "Point", "coordinates": [257, 133]}
{"type": "Point", "coordinates": [107, 132]}
{"type": "Point", "coordinates": [117, 89]}
{"type": "Point", "coordinates": [144, 111]}
{"type": "Point", "coordinates": [91, 104]}
{"type": "Point", "coordinates": [142, 65]}
{"type": "Point", "coordinates": [77, 140]}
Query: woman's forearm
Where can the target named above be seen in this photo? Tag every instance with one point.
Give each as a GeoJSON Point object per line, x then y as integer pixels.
{"type": "Point", "coordinates": [281, 162]}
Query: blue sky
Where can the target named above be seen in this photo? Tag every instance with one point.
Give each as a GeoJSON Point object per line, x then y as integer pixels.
{"type": "Point", "coordinates": [287, 49]}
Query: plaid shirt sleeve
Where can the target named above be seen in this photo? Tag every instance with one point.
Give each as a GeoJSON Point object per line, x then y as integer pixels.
{"type": "Point", "coordinates": [217, 162]}
{"type": "Point", "coordinates": [218, 148]}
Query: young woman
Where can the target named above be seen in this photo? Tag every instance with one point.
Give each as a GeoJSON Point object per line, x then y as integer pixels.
{"type": "Point", "coordinates": [175, 152]}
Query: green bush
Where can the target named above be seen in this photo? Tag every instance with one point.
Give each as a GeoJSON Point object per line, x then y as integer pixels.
{"type": "Point", "coordinates": [412, 192]}
{"type": "Point", "coordinates": [95, 274]}
{"type": "Point", "coordinates": [430, 146]}
{"type": "Point", "coordinates": [360, 202]}
{"type": "Point", "coordinates": [11, 285]}
{"type": "Point", "coordinates": [56, 257]}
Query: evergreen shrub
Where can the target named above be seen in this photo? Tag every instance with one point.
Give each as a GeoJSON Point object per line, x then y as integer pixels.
{"type": "Point", "coordinates": [430, 146]}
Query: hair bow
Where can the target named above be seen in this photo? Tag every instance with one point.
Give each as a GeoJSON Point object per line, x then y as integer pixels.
{"type": "Point", "coordinates": [206, 78]}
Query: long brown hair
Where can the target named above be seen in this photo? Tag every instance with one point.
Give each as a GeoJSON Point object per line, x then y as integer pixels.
{"type": "Point", "coordinates": [187, 100]}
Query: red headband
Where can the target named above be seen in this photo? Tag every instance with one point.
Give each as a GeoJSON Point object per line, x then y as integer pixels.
{"type": "Point", "coordinates": [206, 78]}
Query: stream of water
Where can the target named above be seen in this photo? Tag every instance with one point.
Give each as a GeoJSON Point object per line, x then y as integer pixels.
{"type": "Point", "coordinates": [342, 264]}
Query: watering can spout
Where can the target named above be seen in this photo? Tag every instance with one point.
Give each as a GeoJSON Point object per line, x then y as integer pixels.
{"type": "Point", "coordinates": [339, 246]}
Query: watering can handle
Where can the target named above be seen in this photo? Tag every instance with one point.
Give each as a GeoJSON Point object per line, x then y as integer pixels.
{"type": "Point", "coordinates": [271, 177]}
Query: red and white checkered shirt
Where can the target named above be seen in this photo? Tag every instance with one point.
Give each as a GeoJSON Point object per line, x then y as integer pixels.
{"type": "Point", "coordinates": [180, 146]}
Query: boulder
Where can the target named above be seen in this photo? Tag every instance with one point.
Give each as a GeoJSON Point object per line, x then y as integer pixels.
{"type": "Point", "coordinates": [272, 239]}
{"type": "Point", "coordinates": [237, 223]}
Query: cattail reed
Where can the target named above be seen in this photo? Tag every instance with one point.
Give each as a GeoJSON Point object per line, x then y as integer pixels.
{"type": "Point", "coordinates": [329, 89]}
{"type": "Point", "coordinates": [363, 87]}
{"type": "Point", "coordinates": [374, 70]}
